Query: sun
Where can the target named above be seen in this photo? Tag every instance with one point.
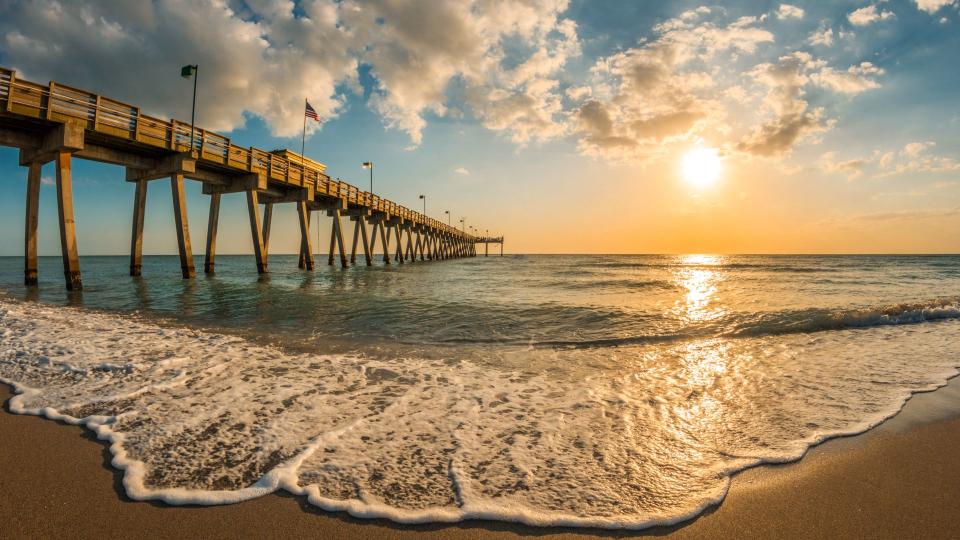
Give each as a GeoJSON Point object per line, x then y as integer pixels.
{"type": "Point", "coordinates": [702, 167]}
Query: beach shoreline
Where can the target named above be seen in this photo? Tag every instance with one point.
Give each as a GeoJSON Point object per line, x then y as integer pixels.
{"type": "Point", "coordinates": [899, 479]}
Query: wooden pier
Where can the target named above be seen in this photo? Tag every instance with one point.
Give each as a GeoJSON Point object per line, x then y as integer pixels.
{"type": "Point", "coordinates": [54, 122]}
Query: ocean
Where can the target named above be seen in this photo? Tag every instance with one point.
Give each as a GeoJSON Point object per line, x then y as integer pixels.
{"type": "Point", "coordinates": [611, 391]}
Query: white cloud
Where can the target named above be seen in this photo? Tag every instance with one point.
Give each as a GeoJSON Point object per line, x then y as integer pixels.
{"type": "Point", "coordinates": [264, 57]}
{"type": "Point", "coordinates": [48, 181]}
{"type": "Point", "coordinates": [932, 6]}
{"type": "Point", "coordinates": [792, 118]}
{"type": "Point", "coordinates": [854, 80]}
{"type": "Point", "coordinates": [823, 36]}
{"type": "Point", "coordinates": [417, 49]}
{"type": "Point", "coordinates": [264, 64]}
{"type": "Point", "coordinates": [462, 171]}
{"type": "Point", "coordinates": [915, 157]}
{"type": "Point", "coordinates": [852, 168]}
{"type": "Point", "coordinates": [787, 11]}
{"type": "Point", "coordinates": [647, 97]}
{"type": "Point", "coordinates": [868, 15]}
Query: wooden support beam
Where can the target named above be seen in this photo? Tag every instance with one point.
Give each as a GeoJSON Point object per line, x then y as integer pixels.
{"type": "Point", "coordinates": [399, 254]}
{"type": "Point", "coordinates": [253, 209]}
{"type": "Point", "coordinates": [183, 228]}
{"type": "Point", "coordinates": [367, 253]}
{"type": "Point", "coordinates": [64, 138]}
{"type": "Point", "coordinates": [267, 220]}
{"type": "Point", "coordinates": [383, 240]}
{"type": "Point", "coordinates": [336, 238]}
{"type": "Point", "coordinates": [306, 250]}
{"type": "Point", "coordinates": [182, 163]}
{"type": "Point", "coordinates": [136, 236]}
{"type": "Point", "coordinates": [30, 227]}
{"type": "Point", "coordinates": [410, 253]}
{"type": "Point", "coordinates": [68, 228]}
{"type": "Point", "coordinates": [218, 183]}
{"type": "Point", "coordinates": [356, 240]}
{"type": "Point", "coordinates": [213, 220]}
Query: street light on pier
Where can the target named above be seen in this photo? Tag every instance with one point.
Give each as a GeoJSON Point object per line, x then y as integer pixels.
{"type": "Point", "coordinates": [369, 165]}
{"type": "Point", "coordinates": [447, 212]}
{"type": "Point", "coordinates": [424, 198]}
{"type": "Point", "coordinates": [187, 71]}
{"type": "Point", "coordinates": [463, 224]}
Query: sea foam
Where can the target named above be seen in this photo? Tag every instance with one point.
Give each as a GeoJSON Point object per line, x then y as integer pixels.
{"type": "Point", "coordinates": [205, 418]}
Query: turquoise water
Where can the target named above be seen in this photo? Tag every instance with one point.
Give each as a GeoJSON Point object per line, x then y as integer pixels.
{"type": "Point", "coordinates": [611, 391]}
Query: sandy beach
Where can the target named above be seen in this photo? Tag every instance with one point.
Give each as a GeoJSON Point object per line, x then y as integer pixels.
{"type": "Point", "coordinates": [899, 480]}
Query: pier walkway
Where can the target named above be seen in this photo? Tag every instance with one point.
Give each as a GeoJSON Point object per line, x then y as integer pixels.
{"type": "Point", "coordinates": [55, 122]}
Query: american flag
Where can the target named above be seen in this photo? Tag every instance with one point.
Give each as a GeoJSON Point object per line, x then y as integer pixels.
{"type": "Point", "coordinates": [311, 113]}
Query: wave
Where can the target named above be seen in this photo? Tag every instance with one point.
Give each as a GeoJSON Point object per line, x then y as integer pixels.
{"type": "Point", "coordinates": [751, 325]}
{"type": "Point", "coordinates": [787, 268]}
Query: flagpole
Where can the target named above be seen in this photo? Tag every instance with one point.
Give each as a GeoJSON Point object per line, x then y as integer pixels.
{"type": "Point", "coordinates": [303, 141]}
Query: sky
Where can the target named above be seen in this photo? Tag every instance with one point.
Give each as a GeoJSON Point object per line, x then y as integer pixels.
{"type": "Point", "coordinates": [564, 125]}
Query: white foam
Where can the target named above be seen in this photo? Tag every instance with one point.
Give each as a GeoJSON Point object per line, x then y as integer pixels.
{"type": "Point", "coordinates": [201, 418]}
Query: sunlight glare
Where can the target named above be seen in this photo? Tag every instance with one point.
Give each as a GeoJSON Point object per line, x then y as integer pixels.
{"type": "Point", "coordinates": [701, 167]}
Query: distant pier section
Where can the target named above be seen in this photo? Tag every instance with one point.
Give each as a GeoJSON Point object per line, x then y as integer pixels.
{"type": "Point", "coordinates": [57, 123]}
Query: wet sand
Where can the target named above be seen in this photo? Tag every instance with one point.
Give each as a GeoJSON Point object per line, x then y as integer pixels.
{"type": "Point", "coordinates": [900, 480]}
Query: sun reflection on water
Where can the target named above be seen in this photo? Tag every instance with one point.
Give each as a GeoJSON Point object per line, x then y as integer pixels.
{"type": "Point", "coordinates": [695, 275]}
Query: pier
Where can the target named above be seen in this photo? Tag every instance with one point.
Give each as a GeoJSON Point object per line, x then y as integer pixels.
{"type": "Point", "coordinates": [57, 123]}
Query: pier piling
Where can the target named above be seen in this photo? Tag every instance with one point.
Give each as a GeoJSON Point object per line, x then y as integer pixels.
{"type": "Point", "coordinates": [253, 210]}
{"type": "Point", "coordinates": [68, 228]}
{"type": "Point", "coordinates": [136, 237]}
{"type": "Point", "coordinates": [183, 228]}
{"type": "Point", "coordinates": [30, 227]}
{"type": "Point", "coordinates": [209, 259]}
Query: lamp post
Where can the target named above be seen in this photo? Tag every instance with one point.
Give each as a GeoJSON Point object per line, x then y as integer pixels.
{"type": "Point", "coordinates": [424, 198]}
{"type": "Point", "coordinates": [187, 71]}
{"type": "Point", "coordinates": [463, 224]}
{"type": "Point", "coordinates": [369, 165]}
{"type": "Point", "coordinates": [447, 212]}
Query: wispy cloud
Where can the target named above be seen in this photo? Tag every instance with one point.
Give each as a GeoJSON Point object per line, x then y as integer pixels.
{"type": "Point", "coordinates": [788, 11]}
{"type": "Point", "coordinates": [932, 6]}
{"type": "Point", "coordinates": [869, 15]}
{"type": "Point", "coordinates": [462, 171]}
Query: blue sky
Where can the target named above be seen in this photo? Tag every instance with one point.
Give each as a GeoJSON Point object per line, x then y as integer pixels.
{"type": "Point", "coordinates": [558, 124]}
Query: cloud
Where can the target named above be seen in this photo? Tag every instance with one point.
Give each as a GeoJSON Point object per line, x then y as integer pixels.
{"type": "Point", "coordinates": [852, 168]}
{"type": "Point", "coordinates": [266, 56]}
{"type": "Point", "coordinates": [645, 98]}
{"type": "Point", "coordinates": [264, 63]}
{"type": "Point", "coordinates": [915, 157]}
{"type": "Point", "coordinates": [932, 6]}
{"type": "Point", "coordinates": [908, 215]}
{"type": "Point", "coordinates": [868, 15]}
{"type": "Point", "coordinates": [787, 11]}
{"type": "Point", "coordinates": [416, 50]}
{"type": "Point", "coordinates": [854, 80]}
{"type": "Point", "coordinates": [793, 120]}
{"type": "Point", "coordinates": [48, 181]}
{"type": "Point", "coordinates": [823, 36]}
{"type": "Point", "coordinates": [462, 171]}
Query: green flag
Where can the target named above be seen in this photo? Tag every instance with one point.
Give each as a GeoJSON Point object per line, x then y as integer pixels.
{"type": "Point", "coordinates": [187, 71]}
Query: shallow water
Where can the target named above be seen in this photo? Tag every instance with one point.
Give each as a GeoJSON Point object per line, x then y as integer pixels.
{"type": "Point", "coordinates": [609, 391]}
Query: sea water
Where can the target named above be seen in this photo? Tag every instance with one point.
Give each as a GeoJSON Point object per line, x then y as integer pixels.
{"type": "Point", "coordinates": [604, 391]}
